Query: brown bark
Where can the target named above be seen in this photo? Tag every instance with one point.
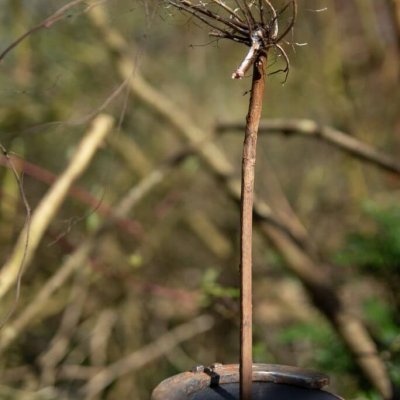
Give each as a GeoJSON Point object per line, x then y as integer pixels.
{"type": "Point", "coordinates": [246, 217]}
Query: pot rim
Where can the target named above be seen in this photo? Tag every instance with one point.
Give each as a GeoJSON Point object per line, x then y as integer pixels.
{"type": "Point", "coordinates": [179, 387]}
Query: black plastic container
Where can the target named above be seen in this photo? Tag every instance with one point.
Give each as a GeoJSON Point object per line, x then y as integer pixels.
{"type": "Point", "coordinates": [270, 382]}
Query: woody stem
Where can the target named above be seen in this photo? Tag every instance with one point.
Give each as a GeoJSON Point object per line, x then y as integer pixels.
{"type": "Point", "coordinates": [246, 216]}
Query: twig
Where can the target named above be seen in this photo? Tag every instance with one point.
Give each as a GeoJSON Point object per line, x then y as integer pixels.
{"type": "Point", "coordinates": [273, 26]}
{"type": "Point", "coordinates": [59, 345]}
{"type": "Point", "coordinates": [40, 174]}
{"type": "Point", "coordinates": [51, 202]}
{"type": "Point", "coordinates": [100, 335]}
{"type": "Point", "coordinates": [147, 354]}
{"type": "Point", "coordinates": [14, 329]}
{"type": "Point", "coordinates": [205, 11]}
{"type": "Point", "coordinates": [238, 20]}
{"type": "Point", "coordinates": [246, 216]}
{"type": "Point", "coordinates": [292, 22]}
{"type": "Point", "coordinates": [7, 392]}
{"type": "Point", "coordinates": [312, 129]}
{"type": "Point", "coordinates": [73, 372]}
{"type": "Point", "coordinates": [45, 24]}
{"type": "Point", "coordinates": [25, 229]}
{"type": "Point", "coordinates": [197, 13]}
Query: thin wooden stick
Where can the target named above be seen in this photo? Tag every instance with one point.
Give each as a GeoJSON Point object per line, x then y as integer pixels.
{"type": "Point", "coordinates": [246, 217]}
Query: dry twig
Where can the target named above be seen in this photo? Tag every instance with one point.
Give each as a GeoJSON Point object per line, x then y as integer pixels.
{"type": "Point", "coordinates": [40, 174]}
{"type": "Point", "coordinates": [59, 345]}
{"type": "Point", "coordinates": [26, 229]}
{"type": "Point", "coordinates": [14, 329]}
{"type": "Point", "coordinates": [47, 23]}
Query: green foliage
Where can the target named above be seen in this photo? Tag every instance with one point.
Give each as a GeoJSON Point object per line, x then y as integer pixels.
{"type": "Point", "coordinates": [377, 251]}
{"type": "Point", "coordinates": [211, 289]}
{"type": "Point", "coordinates": [382, 318]}
{"type": "Point", "coordinates": [260, 351]}
{"type": "Point", "coordinates": [327, 353]}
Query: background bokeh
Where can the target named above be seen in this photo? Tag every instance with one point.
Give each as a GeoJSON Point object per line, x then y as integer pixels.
{"type": "Point", "coordinates": [175, 256]}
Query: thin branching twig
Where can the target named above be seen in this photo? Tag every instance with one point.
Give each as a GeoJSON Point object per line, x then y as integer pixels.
{"type": "Point", "coordinates": [51, 202]}
{"type": "Point", "coordinates": [60, 14]}
{"type": "Point", "coordinates": [26, 229]}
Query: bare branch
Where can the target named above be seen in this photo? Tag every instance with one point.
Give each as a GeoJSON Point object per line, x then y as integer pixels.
{"type": "Point", "coordinates": [43, 175]}
{"type": "Point", "coordinates": [180, 6]}
{"type": "Point", "coordinates": [59, 345]}
{"type": "Point", "coordinates": [287, 62]}
{"type": "Point", "coordinates": [13, 330]}
{"type": "Point", "coordinates": [273, 25]}
{"type": "Point", "coordinates": [100, 336]}
{"type": "Point", "coordinates": [52, 201]}
{"type": "Point", "coordinates": [235, 38]}
{"type": "Point", "coordinates": [147, 354]}
{"type": "Point", "coordinates": [25, 229]}
{"type": "Point", "coordinates": [309, 128]}
{"type": "Point", "coordinates": [216, 17]}
{"type": "Point", "coordinates": [81, 254]}
{"type": "Point", "coordinates": [292, 22]}
{"type": "Point", "coordinates": [243, 11]}
{"type": "Point", "coordinates": [233, 14]}
{"type": "Point", "coordinates": [47, 23]}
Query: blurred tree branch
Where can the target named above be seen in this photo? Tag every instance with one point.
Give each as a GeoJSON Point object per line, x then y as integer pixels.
{"type": "Point", "coordinates": [396, 20]}
{"type": "Point", "coordinates": [14, 329]}
{"type": "Point", "coordinates": [40, 174]}
{"type": "Point", "coordinates": [302, 263]}
{"type": "Point", "coordinates": [332, 136]}
{"type": "Point", "coordinates": [58, 15]}
{"type": "Point", "coordinates": [81, 254]}
{"type": "Point", "coordinates": [147, 354]}
{"type": "Point", "coordinates": [24, 251]}
{"type": "Point", "coordinates": [60, 343]}
{"type": "Point", "coordinates": [200, 223]}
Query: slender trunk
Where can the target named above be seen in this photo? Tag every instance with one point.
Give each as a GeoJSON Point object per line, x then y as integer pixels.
{"type": "Point", "coordinates": [246, 217]}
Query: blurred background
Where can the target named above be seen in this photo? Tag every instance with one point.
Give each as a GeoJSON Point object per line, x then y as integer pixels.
{"type": "Point", "coordinates": [157, 292]}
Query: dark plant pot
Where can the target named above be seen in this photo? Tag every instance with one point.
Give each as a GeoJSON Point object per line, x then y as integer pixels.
{"type": "Point", "coordinates": [270, 382]}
